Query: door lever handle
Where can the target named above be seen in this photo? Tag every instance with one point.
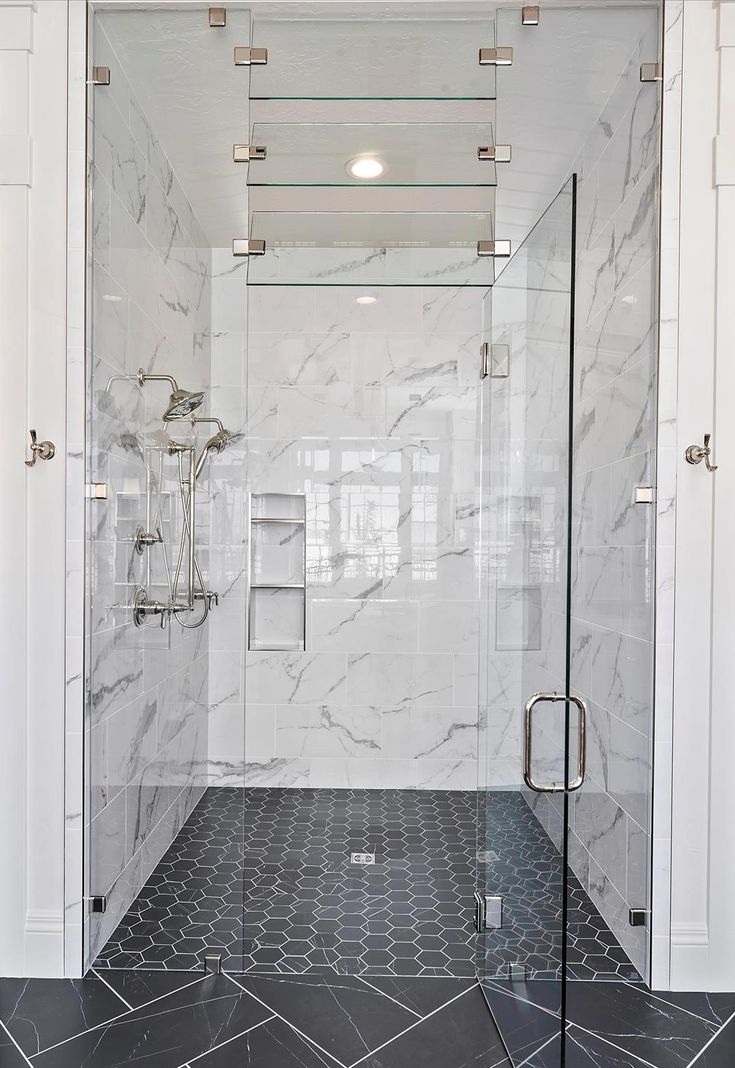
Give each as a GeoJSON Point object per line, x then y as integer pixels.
{"type": "Point", "coordinates": [696, 453]}
{"type": "Point", "coordinates": [40, 450]}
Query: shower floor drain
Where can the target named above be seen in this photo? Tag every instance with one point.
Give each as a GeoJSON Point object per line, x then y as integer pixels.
{"type": "Point", "coordinates": [487, 856]}
{"type": "Point", "coordinates": [362, 858]}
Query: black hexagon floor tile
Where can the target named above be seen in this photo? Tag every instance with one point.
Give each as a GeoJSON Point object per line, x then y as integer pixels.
{"type": "Point", "coordinates": [264, 877]}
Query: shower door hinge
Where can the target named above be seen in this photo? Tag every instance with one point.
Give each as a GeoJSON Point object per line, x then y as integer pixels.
{"type": "Point", "coordinates": [495, 360]}
{"type": "Point", "coordinates": [530, 15]}
{"type": "Point", "coordinates": [248, 153]}
{"type": "Point", "coordinates": [496, 57]}
{"type": "Point", "coordinates": [98, 904]}
{"type": "Point", "coordinates": [243, 246]}
{"type": "Point", "coordinates": [217, 17]}
{"type": "Point", "coordinates": [99, 76]}
{"type": "Point", "coordinates": [488, 912]}
{"type": "Point", "coordinates": [96, 491]}
{"type": "Point", "coordinates": [644, 494]}
{"type": "Point", "coordinates": [499, 249]}
{"type": "Point", "coordinates": [494, 153]}
{"type": "Point", "coordinates": [250, 57]}
{"type": "Point", "coordinates": [651, 72]}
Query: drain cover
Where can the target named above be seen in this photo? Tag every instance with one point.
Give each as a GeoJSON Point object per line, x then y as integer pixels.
{"type": "Point", "coordinates": [362, 858]}
{"type": "Point", "coordinates": [487, 856]}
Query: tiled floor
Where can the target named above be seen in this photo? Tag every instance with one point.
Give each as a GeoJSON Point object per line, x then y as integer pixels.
{"type": "Point", "coordinates": [284, 857]}
{"type": "Point", "coordinates": [169, 1019]}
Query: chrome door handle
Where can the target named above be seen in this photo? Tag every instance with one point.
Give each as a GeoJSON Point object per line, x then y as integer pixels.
{"type": "Point", "coordinates": [40, 450]}
{"type": "Point", "coordinates": [553, 787]}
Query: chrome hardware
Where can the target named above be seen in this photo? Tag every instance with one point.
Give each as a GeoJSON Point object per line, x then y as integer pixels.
{"type": "Point", "coordinates": [553, 787]}
{"type": "Point", "coordinates": [499, 249]}
{"type": "Point", "coordinates": [96, 491]}
{"type": "Point", "coordinates": [517, 972]}
{"type": "Point", "coordinates": [484, 359]}
{"type": "Point", "coordinates": [217, 17]}
{"type": "Point", "coordinates": [250, 57]}
{"type": "Point", "coordinates": [530, 15]}
{"type": "Point", "coordinates": [651, 72]}
{"type": "Point", "coordinates": [696, 453]}
{"type": "Point", "coordinates": [247, 153]}
{"type": "Point", "coordinates": [40, 450]}
{"type": "Point", "coordinates": [144, 541]}
{"type": "Point", "coordinates": [488, 912]}
{"type": "Point", "coordinates": [213, 962]}
{"type": "Point", "coordinates": [644, 495]}
{"type": "Point", "coordinates": [637, 917]}
{"type": "Point", "coordinates": [496, 57]}
{"type": "Point", "coordinates": [99, 76]}
{"type": "Point", "coordinates": [366, 859]}
{"type": "Point", "coordinates": [98, 903]}
{"type": "Point", "coordinates": [494, 360]}
{"type": "Point", "coordinates": [243, 246]}
{"type": "Point", "coordinates": [494, 153]}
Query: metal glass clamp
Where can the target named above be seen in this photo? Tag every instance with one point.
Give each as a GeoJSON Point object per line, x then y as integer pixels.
{"type": "Point", "coordinates": [494, 153]}
{"type": "Point", "coordinates": [243, 246]}
{"type": "Point", "coordinates": [248, 153]}
{"type": "Point", "coordinates": [696, 453]}
{"type": "Point", "coordinates": [495, 57]}
{"type": "Point", "coordinates": [500, 249]}
{"type": "Point", "coordinates": [40, 450]}
{"type": "Point", "coordinates": [250, 57]}
{"type": "Point", "coordinates": [553, 787]}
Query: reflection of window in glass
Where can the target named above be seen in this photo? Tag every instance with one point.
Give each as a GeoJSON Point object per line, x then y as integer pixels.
{"type": "Point", "coordinates": [368, 520]}
{"type": "Point", "coordinates": [320, 564]}
{"type": "Point", "coordinates": [424, 533]}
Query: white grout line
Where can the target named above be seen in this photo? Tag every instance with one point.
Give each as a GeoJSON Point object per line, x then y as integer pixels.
{"type": "Point", "coordinates": [284, 1020]}
{"type": "Point", "coordinates": [405, 1032]}
{"type": "Point", "coordinates": [112, 988]}
{"type": "Point", "coordinates": [227, 1042]}
{"type": "Point", "coordinates": [716, 1035]}
{"type": "Point", "coordinates": [14, 1042]}
{"type": "Point", "coordinates": [383, 994]}
{"type": "Point", "coordinates": [538, 1050]}
{"type": "Point", "coordinates": [120, 1016]}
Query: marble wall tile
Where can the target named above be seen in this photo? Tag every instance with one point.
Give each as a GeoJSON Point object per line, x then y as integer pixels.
{"type": "Point", "coordinates": [399, 678]}
{"type": "Point", "coordinates": [299, 678]}
{"type": "Point", "coordinates": [371, 626]}
{"type": "Point", "coordinates": [327, 731]}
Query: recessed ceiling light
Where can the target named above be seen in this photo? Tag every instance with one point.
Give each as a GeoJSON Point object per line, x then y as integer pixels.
{"type": "Point", "coordinates": [365, 167]}
{"type": "Point", "coordinates": [366, 300]}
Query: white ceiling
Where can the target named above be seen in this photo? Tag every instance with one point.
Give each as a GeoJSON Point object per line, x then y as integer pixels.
{"type": "Point", "coordinates": [197, 101]}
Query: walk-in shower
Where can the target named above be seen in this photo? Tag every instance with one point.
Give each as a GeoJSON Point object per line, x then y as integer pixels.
{"type": "Point", "coordinates": [406, 267]}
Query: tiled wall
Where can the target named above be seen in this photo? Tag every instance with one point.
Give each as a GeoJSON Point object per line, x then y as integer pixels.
{"type": "Point", "coordinates": [368, 410]}
{"type": "Point", "coordinates": [149, 307]}
{"type": "Point", "coordinates": [613, 578]}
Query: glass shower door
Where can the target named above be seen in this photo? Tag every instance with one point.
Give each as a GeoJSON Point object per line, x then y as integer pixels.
{"type": "Point", "coordinates": [532, 728]}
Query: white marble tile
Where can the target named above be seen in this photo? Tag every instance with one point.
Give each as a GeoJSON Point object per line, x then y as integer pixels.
{"type": "Point", "coordinates": [449, 626]}
{"type": "Point", "coordinates": [327, 731]}
{"type": "Point", "coordinates": [399, 678]}
{"type": "Point", "coordinates": [429, 733]}
{"type": "Point", "coordinates": [363, 626]}
{"type": "Point", "coordinates": [299, 678]}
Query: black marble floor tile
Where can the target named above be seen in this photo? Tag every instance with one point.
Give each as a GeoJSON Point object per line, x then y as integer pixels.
{"type": "Point", "coordinates": [525, 1026]}
{"type": "Point", "coordinates": [139, 988]}
{"type": "Point", "coordinates": [656, 1031]}
{"type": "Point", "coordinates": [422, 995]}
{"type": "Point", "coordinates": [584, 1050]}
{"type": "Point", "coordinates": [10, 1057]}
{"type": "Point", "coordinates": [721, 1053]}
{"type": "Point", "coordinates": [270, 1045]}
{"type": "Point", "coordinates": [40, 1012]}
{"type": "Point", "coordinates": [460, 1035]}
{"type": "Point", "coordinates": [716, 1007]}
{"type": "Point", "coordinates": [342, 1015]}
{"type": "Point", "coordinates": [164, 1034]}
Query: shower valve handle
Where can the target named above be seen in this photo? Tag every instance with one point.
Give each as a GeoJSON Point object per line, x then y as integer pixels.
{"type": "Point", "coordinates": [696, 453]}
{"type": "Point", "coordinates": [40, 450]}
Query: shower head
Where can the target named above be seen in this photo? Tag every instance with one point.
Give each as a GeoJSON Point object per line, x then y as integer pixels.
{"type": "Point", "coordinates": [217, 443]}
{"type": "Point", "coordinates": [182, 403]}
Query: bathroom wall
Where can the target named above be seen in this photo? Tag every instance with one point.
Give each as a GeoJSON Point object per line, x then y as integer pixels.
{"type": "Point", "coordinates": [369, 410]}
{"type": "Point", "coordinates": [149, 306]}
{"type": "Point", "coordinates": [613, 579]}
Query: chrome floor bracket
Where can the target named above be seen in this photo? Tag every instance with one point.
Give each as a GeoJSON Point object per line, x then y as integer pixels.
{"type": "Point", "coordinates": [98, 904]}
{"type": "Point", "coordinates": [213, 962]}
{"type": "Point", "coordinates": [496, 57]}
{"type": "Point", "coordinates": [99, 76]}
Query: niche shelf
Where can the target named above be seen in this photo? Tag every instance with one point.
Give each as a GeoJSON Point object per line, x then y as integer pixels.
{"type": "Point", "coordinates": [277, 594]}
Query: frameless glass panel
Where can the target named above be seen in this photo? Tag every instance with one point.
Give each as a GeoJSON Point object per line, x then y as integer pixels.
{"type": "Point", "coordinates": [354, 58]}
{"type": "Point", "coordinates": [437, 154]}
{"type": "Point", "coordinates": [371, 248]}
{"type": "Point", "coordinates": [525, 415]}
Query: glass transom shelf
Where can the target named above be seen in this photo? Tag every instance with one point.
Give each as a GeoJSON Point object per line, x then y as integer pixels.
{"type": "Point", "coordinates": [371, 248]}
{"type": "Point", "coordinates": [408, 154]}
{"type": "Point", "coordinates": [372, 59]}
